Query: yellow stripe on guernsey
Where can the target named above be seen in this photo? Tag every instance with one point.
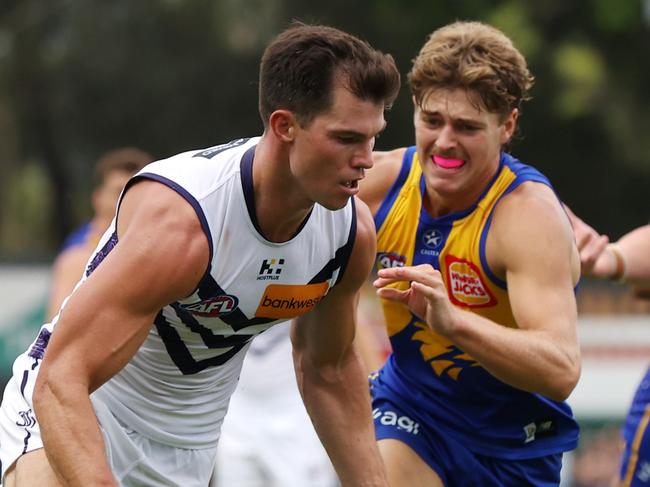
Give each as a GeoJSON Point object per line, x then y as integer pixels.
{"type": "Point", "coordinates": [459, 260]}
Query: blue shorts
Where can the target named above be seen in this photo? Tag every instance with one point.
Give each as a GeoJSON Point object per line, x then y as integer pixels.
{"type": "Point", "coordinates": [456, 465]}
{"type": "Point", "coordinates": [635, 466]}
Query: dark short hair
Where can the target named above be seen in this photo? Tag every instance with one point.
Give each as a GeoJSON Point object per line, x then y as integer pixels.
{"type": "Point", "coordinates": [299, 66]}
{"type": "Point", "coordinates": [123, 159]}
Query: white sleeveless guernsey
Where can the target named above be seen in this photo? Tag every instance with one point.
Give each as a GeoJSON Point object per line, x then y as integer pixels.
{"type": "Point", "coordinates": [176, 388]}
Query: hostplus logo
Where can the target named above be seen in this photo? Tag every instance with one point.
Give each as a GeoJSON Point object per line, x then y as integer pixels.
{"type": "Point", "coordinates": [270, 270]}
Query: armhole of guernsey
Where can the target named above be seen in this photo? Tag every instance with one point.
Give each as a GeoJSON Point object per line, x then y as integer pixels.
{"type": "Point", "coordinates": [391, 196]}
{"type": "Point", "coordinates": [188, 197]}
{"type": "Point", "coordinates": [343, 254]}
{"type": "Point", "coordinates": [523, 173]}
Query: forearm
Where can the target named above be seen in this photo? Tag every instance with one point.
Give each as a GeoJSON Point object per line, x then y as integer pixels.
{"type": "Point", "coordinates": [338, 402]}
{"type": "Point", "coordinates": [635, 247]}
{"type": "Point", "coordinates": [532, 360]}
{"type": "Point", "coordinates": [73, 441]}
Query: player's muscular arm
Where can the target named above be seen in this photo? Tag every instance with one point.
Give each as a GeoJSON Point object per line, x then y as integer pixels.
{"type": "Point", "coordinates": [330, 374]}
{"type": "Point", "coordinates": [531, 244]}
{"type": "Point", "coordinates": [160, 257]}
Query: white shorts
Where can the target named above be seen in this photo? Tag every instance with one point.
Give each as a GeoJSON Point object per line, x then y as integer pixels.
{"type": "Point", "coordinates": [134, 459]}
{"type": "Point", "coordinates": [19, 431]}
{"type": "Point", "coordinates": [263, 458]}
{"type": "Point", "coordinates": [138, 461]}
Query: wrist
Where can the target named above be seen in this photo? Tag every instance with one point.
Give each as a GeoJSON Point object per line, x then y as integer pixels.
{"type": "Point", "coordinates": [620, 263]}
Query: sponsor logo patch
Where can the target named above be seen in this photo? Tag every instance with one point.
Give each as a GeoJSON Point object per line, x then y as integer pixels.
{"type": "Point", "coordinates": [27, 419]}
{"type": "Point", "coordinates": [387, 260]}
{"type": "Point", "coordinates": [217, 306]}
{"type": "Point", "coordinates": [270, 270]}
{"type": "Point", "coordinates": [432, 238]}
{"type": "Point", "coordinates": [390, 418]}
{"type": "Point", "coordinates": [465, 284]}
{"type": "Point", "coordinates": [213, 151]}
{"type": "Point", "coordinates": [539, 429]}
{"type": "Point", "coordinates": [283, 301]}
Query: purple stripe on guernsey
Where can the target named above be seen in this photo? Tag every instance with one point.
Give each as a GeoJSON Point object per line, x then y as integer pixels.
{"type": "Point", "coordinates": [182, 357]}
{"type": "Point", "coordinates": [207, 336]}
{"type": "Point", "coordinates": [188, 197]}
{"type": "Point", "coordinates": [387, 204]}
{"type": "Point", "coordinates": [523, 173]}
{"type": "Point", "coordinates": [342, 255]}
{"type": "Point", "coordinates": [102, 253]}
{"type": "Point", "coordinates": [38, 349]}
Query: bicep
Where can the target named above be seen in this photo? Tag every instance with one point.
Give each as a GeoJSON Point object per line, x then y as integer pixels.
{"type": "Point", "coordinates": [160, 256]}
{"type": "Point", "coordinates": [540, 260]}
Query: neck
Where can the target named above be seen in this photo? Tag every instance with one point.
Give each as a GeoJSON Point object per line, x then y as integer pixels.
{"type": "Point", "coordinates": [438, 203]}
{"type": "Point", "coordinates": [279, 208]}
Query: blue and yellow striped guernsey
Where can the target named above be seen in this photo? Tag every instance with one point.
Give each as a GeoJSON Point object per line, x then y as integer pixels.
{"type": "Point", "coordinates": [432, 377]}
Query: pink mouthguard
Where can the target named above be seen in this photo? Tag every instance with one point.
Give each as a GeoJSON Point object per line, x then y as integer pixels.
{"type": "Point", "coordinates": [446, 163]}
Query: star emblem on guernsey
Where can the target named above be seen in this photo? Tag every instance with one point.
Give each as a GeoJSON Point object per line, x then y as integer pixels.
{"type": "Point", "coordinates": [432, 238]}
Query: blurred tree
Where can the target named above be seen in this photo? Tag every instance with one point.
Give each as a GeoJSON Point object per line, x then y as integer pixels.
{"type": "Point", "coordinates": [78, 78]}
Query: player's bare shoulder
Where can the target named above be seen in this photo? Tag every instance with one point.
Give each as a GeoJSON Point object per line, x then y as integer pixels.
{"type": "Point", "coordinates": [379, 179]}
{"type": "Point", "coordinates": [530, 222]}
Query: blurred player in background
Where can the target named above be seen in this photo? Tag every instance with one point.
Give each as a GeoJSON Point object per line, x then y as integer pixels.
{"type": "Point", "coordinates": [477, 268]}
{"type": "Point", "coordinates": [267, 439]}
{"type": "Point", "coordinates": [130, 383]}
{"type": "Point", "coordinates": [626, 260]}
{"type": "Point", "coordinates": [112, 171]}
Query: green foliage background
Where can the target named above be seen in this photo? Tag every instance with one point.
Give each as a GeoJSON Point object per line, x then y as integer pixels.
{"type": "Point", "coordinates": [79, 78]}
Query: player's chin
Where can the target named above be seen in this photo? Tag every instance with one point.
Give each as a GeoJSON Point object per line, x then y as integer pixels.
{"type": "Point", "coordinates": [334, 204]}
{"type": "Point", "coordinates": [333, 207]}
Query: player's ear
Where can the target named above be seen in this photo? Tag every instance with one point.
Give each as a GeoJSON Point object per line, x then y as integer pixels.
{"type": "Point", "coordinates": [283, 124]}
{"type": "Point", "coordinates": [509, 125]}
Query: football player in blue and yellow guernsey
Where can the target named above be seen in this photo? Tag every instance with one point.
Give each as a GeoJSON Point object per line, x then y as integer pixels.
{"type": "Point", "coordinates": [477, 269]}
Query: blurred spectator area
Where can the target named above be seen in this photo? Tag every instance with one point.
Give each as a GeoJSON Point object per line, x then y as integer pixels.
{"type": "Point", "coordinates": [614, 332]}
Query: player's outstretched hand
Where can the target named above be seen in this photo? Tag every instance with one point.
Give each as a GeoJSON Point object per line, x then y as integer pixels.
{"type": "Point", "coordinates": [592, 247]}
{"type": "Point", "coordinates": [426, 295]}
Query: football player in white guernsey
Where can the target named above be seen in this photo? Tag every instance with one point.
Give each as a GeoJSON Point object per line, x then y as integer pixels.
{"type": "Point", "coordinates": [130, 382]}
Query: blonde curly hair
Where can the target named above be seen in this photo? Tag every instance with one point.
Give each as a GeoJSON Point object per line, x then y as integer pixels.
{"type": "Point", "coordinates": [475, 57]}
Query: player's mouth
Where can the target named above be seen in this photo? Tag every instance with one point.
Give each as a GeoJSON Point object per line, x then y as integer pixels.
{"type": "Point", "coordinates": [447, 162]}
{"type": "Point", "coordinates": [351, 186]}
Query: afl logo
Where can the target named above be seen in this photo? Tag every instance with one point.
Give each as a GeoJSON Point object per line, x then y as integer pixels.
{"type": "Point", "coordinates": [387, 260]}
{"type": "Point", "coordinates": [432, 238]}
{"type": "Point", "coordinates": [217, 306]}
